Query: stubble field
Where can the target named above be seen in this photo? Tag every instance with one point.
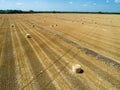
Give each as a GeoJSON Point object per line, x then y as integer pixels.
{"type": "Point", "coordinates": [59, 41]}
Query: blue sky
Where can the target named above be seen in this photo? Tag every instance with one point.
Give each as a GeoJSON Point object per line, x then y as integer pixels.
{"type": "Point", "coordinates": [62, 5]}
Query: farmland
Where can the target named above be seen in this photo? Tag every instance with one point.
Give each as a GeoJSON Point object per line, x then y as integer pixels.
{"type": "Point", "coordinates": [59, 41]}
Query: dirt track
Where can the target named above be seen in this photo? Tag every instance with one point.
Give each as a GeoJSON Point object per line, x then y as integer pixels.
{"type": "Point", "coordinates": [44, 61]}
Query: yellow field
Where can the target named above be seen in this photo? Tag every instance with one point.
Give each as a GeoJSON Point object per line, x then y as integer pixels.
{"type": "Point", "coordinates": [59, 41]}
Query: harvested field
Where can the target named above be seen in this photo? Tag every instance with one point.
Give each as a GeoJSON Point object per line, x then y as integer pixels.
{"type": "Point", "coordinates": [38, 51]}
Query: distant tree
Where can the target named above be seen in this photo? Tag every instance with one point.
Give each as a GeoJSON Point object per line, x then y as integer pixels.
{"type": "Point", "coordinates": [100, 12]}
{"type": "Point", "coordinates": [31, 11]}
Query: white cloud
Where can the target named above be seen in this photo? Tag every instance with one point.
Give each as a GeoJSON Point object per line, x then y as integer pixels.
{"type": "Point", "coordinates": [117, 1]}
{"type": "Point", "coordinates": [85, 5]}
{"type": "Point", "coordinates": [107, 1]}
{"type": "Point", "coordinates": [71, 2]}
{"type": "Point", "coordinates": [94, 4]}
{"type": "Point", "coordinates": [2, 1]}
{"type": "Point", "coordinates": [19, 4]}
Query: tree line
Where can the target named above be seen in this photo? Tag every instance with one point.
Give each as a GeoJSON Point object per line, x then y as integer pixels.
{"type": "Point", "coordinates": [31, 11]}
{"type": "Point", "coordinates": [14, 11]}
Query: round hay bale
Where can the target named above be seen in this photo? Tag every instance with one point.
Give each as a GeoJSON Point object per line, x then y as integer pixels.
{"type": "Point", "coordinates": [12, 25]}
{"type": "Point", "coordinates": [77, 68]}
{"type": "Point", "coordinates": [28, 35]}
{"type": "Point", "coordinates": [41, 71]}
{"type": "Point", "coordinates": [51, 25]}
{"type": "Point", "coordinates": [33, 26]}
{"type": "Point", "coordinates": [56, 25]}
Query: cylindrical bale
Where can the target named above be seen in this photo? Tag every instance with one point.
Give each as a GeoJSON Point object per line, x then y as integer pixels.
{"type": "Point", "coordinates": [76, 68]}
{"type": "Point", "coordinates": [51, 25]}
{"type": "Point", "coordinates": [12, 25]}
{"type": "Point", "coordinates": [33, 25]}
{"type": "Point", "coordinates": [28, 35]}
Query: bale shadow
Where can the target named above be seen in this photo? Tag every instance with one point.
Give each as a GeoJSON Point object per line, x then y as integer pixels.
{"type": "Point", "coordinates": [81, 71]}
